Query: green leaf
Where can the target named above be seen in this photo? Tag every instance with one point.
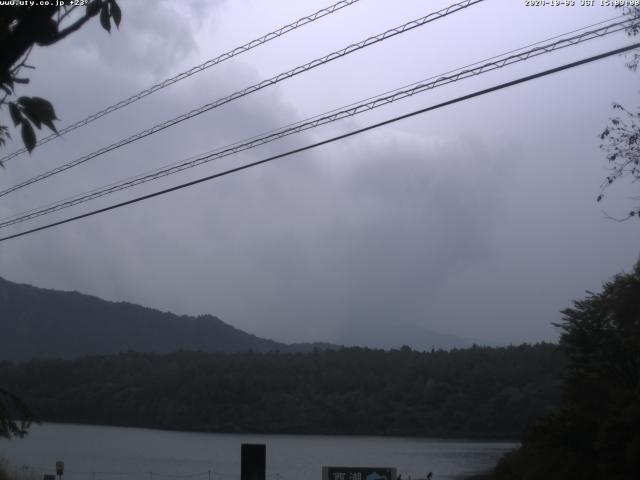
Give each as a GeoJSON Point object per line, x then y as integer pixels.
{"type": "Point", "coordinates": [44, 108]}
{"type": "Point", "coordinates": [4, 132]}
{"type": "Point", "coordinates": [105, 21]}
{"type": "Point", "coordinates": [29, 111]}
{"type": "Point", "coordinates": [93, 8]}
{"type": "Point", "coordinates": [39, 111]}
{"type": "Point", "coordinates": [28, 136]}
{"type": "Point", "coordinates": [51, 126]}
{"type": "Point", "coordinates": [7, 84]}
{"type": "Point", "coordinates": [16, 116]}
{"type": "Point", "coordinates": [116, 13]}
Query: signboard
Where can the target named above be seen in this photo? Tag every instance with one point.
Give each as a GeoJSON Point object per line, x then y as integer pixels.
{"type": "Point", "coordinates": [253, 461]}
{"type": "Point", "coordinates": [358, 473]}
{"type": "Point", "coordinates": [59, 468]}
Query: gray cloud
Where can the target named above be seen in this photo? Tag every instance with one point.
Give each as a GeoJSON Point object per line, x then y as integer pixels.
{"type": "Point", "coordinates": [477, 220]}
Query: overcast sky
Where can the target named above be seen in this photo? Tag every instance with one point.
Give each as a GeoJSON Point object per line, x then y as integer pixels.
{"type": "Point", "coordinates": [476, 220]}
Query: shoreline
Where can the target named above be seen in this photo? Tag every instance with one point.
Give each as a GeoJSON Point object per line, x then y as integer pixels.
{"type": "Point", "coordinates": [497, 440]}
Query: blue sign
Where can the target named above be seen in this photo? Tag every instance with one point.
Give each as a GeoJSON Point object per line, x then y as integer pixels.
{"type": "Point", "coordinates": [358, 473]}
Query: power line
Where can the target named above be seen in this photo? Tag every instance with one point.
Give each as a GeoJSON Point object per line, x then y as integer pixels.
{"type": "Point", "coordinates": [241, 93]}
{"type": "Point", "coordinates": [323, 119]}
{"type": "Point", "coordinates": [330, 140]}
{"type": "Point", "coordinates": [192, 71]}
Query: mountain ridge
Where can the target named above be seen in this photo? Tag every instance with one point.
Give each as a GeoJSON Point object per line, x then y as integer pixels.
{"type": "Point", "coordinates": [43, 323]}
{"type": "Point", "coordinates": [46, 323]}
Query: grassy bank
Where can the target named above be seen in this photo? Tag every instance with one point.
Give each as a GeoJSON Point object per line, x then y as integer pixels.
{"type": "Point", "coordinates": [8, 471]}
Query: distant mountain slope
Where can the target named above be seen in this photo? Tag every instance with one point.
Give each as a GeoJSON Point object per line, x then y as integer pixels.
{"type": "Point", "coordinates": [395, 336]}
{"type": "Point", "coordinates": [41, 323]}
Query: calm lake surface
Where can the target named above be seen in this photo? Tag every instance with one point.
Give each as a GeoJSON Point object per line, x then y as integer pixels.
{"type": "Point", "coordinates": [115, 453]}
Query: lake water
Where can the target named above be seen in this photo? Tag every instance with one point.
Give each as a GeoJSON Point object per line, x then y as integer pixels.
{"type": "Point", "coordinates": [116, 453]}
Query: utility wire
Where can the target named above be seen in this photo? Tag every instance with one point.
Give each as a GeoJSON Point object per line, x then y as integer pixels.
{"type": "Point", "coordinates": [331, 140]}
{"type": "Point", "coordinates": [241, 93]}
{"type": "Point", "coordinates": [313, 122]}
{"type": "Point", "coordinates": [192, 71]}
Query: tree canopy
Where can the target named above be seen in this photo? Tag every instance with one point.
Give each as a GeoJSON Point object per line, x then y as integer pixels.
{"type": "Point", "coordinates": [22, 27]}
{"type": "Point", "coordinates": [15, 415]}
{"type": "Point", "coordinates": [621, 137]}
{"type": "Point", "coordinates": [596, 431]}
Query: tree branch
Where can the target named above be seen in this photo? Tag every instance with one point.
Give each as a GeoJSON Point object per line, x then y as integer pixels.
{"type": "Point", "coordinates": [68, 10]}
{"type": "Point", "coordinates": [71, 28]}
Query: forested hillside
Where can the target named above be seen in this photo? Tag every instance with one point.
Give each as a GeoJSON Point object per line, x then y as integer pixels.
{"type": "Point", "coordinates": [475, 392]}
{"type": "Point", "coordinates": [595, 431]}
{"type": "Point", "coordinates": [41, 323]}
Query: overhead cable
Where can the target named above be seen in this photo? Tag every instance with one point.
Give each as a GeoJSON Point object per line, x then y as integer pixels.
{"type": "Point", "coordinates": [330, 140]}
{"type": "Point", "coordinates": [192, 71]}
{"type": "Point", "coordinates": [475, 69]}
{"type": "Point", "coordinates": [241, 93]}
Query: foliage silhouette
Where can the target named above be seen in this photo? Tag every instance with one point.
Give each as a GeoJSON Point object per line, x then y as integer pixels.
{"type": "Point", "coordinates": [596, 432]}
{"type": "Point", "coordinates": [21, 28]}
{"type": "Point", "coordinates": [621, 138]}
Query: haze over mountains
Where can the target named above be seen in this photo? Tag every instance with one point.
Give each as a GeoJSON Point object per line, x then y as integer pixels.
{"type": "Point", "coordinates": [394, 336]}
{"type": "Point", "coordinates": [42, 323]}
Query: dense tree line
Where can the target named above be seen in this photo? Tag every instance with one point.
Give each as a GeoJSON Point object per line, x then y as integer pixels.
{"type": "Point", "coordinates": [475, 392]}
{"type": "Point", "coordinates": [596, 431]}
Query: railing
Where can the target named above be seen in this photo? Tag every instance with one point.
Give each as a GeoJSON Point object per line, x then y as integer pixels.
{"type": "Point", "coordinates": [30, 473]}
